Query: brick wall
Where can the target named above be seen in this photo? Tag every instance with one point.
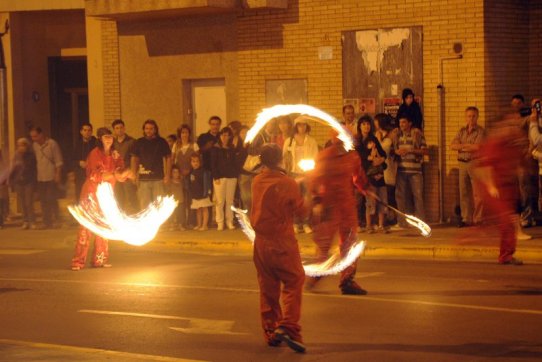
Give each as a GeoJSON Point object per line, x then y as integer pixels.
{"type": "Point", "coordinates": [111, 72]}
{"type": "Point", "coordinates": [507, 53]}
{"type": "Point", "coordinates": [535, 48]}
{"type": "Point", "coordinates": [306, 25]}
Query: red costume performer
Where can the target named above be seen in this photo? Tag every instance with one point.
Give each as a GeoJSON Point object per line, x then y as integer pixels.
{"type": "Point", "coordinates": [101, 167]}
{"type": "Point", "coordinates": [275, 200]}
{"type": "Point", "coordinates": [498, 169]}
{"type": "Point", "coordinates": [335, 206]}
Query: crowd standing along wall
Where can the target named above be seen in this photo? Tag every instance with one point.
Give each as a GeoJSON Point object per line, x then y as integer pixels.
{"type": "Point", "coordinates": [267, 53]}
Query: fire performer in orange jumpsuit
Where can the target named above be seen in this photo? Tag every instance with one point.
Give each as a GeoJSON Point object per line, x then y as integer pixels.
{"type": "Point", "coordinates": [104, 164]}
{"type": "Point", "coordinates": [497, 170]}
{"type": "Point", "coordinates": [334, 210]}
{"type": "Point", "coordinates": [275, 200]}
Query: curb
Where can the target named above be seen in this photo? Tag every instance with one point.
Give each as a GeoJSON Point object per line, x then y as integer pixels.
{"type": "Point", "coordinates": [473, 254]}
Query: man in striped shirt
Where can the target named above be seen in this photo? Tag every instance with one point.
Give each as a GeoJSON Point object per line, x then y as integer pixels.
{"type": "Point", "coordinates": [409, 147]}
{"type": "Point", "coordinates": [467, 143]}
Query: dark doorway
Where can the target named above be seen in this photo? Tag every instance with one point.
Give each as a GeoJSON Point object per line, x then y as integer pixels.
{"type": "Point", "coordinates": [68, 89]}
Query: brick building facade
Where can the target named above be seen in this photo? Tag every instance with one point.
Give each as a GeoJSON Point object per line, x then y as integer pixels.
{"type": "Point", "coordinates": [141, 56]}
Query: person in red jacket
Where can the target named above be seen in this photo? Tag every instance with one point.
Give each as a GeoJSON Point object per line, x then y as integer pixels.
{"type": "Point", "coordinates": [334, 210]}
{"type": "Point", "coordinates": [275, 200]}
{"type": "Point", "coordinates": [103, 165]}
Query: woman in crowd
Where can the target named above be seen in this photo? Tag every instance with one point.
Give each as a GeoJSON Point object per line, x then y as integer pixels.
{"type": "Point", "coordinates": [245, 177]}
{"type": "Point", "coordinates": [104, 164]}
{"type": "Point", "coordinates": [373, 160]}
{"type": "Point", "coordinates": [224, 171]}
{"type": "Point", "coordinates": [284, 130]}
{"type": "Point", "coordinates": [383, 132]}
{"type": "Point", "coordinates": [300, 146]}
{"type": "Point", "coordinates": [181, 152]}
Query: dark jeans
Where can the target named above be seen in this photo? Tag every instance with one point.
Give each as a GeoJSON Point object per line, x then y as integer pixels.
{"type": "Point", "coordinates": [25, 195]}
{"type": "Point", "coordinates": [47, 191]}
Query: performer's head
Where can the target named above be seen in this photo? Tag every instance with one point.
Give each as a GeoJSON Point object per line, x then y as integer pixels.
{"type": "Point", "coordinates": [105, 138]}
{"type": "Point", "coordinates": [271, 155]}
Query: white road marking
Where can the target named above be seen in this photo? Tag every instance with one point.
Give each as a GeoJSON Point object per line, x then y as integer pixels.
{"type": "Point", "coordinates": [20, 251]}
{"type": "Point", "coordinates": [312, 295]}
{"type": "Point", "coordinates": [104, 353]}
{"type": "Point", "coordinates": [197, 325]}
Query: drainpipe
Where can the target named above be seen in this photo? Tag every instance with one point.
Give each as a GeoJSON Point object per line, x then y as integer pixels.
{"type": "Point", "coordinates": [4, 137]}
{"type": "Point", "coordinates": [441, 132]}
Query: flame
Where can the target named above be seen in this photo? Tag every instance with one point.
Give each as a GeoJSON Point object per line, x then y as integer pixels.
{"type": "Point", "coordinates": [316, 114]}
{"type": "Point", "coordinates": [306, 164]}
{"type": "Point", "coordinates": [244, 221]}
{"type": "Point", "coordinates": [419, 224]}
{"type": "Point", "coordinates": [333, 265]}
{"type": "Point", "coordinates": [103, 217]}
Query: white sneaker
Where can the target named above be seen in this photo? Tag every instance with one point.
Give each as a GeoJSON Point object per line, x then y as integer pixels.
{"type": "Point", "coordinates": [307, 229]}
{"type": "Point", "coordinates": [523, 236]}
{"type": "Point", "coordinates": [25, 226]}
{"type": "Point", "coordinates": [220, 227]}
{"type": "Point", "coordinates": [231, 226]}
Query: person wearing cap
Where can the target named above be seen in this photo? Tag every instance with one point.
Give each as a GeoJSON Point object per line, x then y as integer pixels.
{"type": "Point", "coordinates": [298, 147]}
{"type": "Point", "coordinates": [104, 164]}
{"type": "Point", "coordinates": [275, 200]}
{"type": "Point", "coordinates": [334, 210]}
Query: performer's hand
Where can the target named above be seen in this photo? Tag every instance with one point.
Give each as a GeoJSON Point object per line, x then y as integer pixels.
{"type": "Point", "coordinates": [493, 191]}
{"type": "Point", "coordinates": [83, 164]}
{"type": "Point", "coordinates": [217, 181]}
{"type": "Point", "coordinates": [166, 180]}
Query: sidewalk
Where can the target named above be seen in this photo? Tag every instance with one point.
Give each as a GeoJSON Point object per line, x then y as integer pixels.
{"type": "Point", "coordinates": [446, 243]}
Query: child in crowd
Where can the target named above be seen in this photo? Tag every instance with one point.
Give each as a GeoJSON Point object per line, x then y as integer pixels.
{"type": "Point", "coordinates": [23, 177]}
{"type": "Point", "coordinates": [171, 140]}
{"type": "Point", "coordinates": [200, 190]}
{"type": "Point", "coordinates": [175, 187]}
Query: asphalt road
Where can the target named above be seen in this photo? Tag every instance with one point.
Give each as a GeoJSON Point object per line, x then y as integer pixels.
{"type": "Point", "coordinates": [174, 306]}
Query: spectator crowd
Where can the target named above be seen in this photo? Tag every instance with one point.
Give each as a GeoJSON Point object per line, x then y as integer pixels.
{"type": "Point", "coordinates": [209, 173]}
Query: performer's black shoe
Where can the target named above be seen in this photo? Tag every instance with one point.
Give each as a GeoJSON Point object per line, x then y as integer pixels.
{"type": "Point", "coordinates": [282, 336]}
{"type": "Point", "coordinates": [513, 261]}
{"type": "Point", "coordinates": [352, 288]}
{"type": "Point", "coordinates": [311, 283]}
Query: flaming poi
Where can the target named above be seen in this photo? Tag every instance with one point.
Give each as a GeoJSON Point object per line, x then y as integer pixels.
{"type": "Point", "coordinates": [102, 216]}
{"type": "Point", "coordinates": [333, 265]}
{"type": "Point", "coordinates": [315, 114]}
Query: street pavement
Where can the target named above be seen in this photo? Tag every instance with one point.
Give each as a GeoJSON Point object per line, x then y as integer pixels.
{"type": "Point", "coordinates": [166, 303]}
{"type": "Point", "coordinates": [446, 242]}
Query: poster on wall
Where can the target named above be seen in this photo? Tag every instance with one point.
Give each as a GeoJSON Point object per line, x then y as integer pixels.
{"type": "Point", "coordinates": [354, 102]}
{"type": "Point", "coordinates": [285, 91]}
{"type": "Point", "coordinates": [367, 105]}
{"type": "Point", "coordinates": [391, 106]}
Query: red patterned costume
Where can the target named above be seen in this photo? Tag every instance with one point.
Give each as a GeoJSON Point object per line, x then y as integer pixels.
{"type": "Point", "coordinates": [331, 184]}
{"type": "Point", "coordinates": [98, 163]}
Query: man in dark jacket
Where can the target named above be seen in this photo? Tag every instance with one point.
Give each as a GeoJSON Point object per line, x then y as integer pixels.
{"type": "Point", "coordinates": [83, 147]}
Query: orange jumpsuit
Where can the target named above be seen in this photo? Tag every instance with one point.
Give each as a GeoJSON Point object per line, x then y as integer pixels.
{"type": "Point", "coordinates": [275, 200]}
{"type": "Point", "coordinates": [502, 152]}
{"type": "Point", "coordinates": [331, 184]}
{"type": "Point", "coordinates": [97, 163]}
